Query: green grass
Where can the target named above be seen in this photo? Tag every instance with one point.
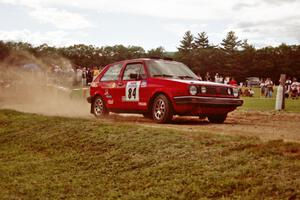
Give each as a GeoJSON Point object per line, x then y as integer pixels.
{"type": "Point", "coordinates": [268, 104]}
{"type": "Point", "coordinates": [57, 158]}
{"type": "Point", "coordinates": [260, 103]}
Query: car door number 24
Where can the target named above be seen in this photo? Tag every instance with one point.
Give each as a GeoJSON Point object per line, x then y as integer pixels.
{"type": "Point", "coordinates": [132, 91]}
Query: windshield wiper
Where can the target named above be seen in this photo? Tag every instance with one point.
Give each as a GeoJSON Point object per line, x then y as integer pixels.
{"type": "Point", "coordinates": [163, 75]}
{"type": "Point", "coordinates": [186, 77]}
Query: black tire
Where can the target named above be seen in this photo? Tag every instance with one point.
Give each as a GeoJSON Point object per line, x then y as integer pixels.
{"type": "Point", "coordinates": [99, 108]}
{"type": "Point", "coordinates": [162, 110]}
{"type": "Point", "coordinates": [217, 119]}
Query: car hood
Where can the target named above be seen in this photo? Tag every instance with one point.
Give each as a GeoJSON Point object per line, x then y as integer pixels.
{"type": "Point", "coordinates": [196, 82]}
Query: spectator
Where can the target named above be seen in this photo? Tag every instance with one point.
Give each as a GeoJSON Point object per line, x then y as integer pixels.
{"type": "Point", "coordinates": [199, 77]}
{"type": "Point", "coordinates": [96, 71]}
{"type": "Point", "coordinates": [89, 76]}
{"type": "Point", "coordinates": [288, 84]}
{"type": "Point", "coordinates": [233, 82]}
{"type": "Point", "coordinates": [221, 79]}
{"type": "Point", "coordinates": [226, 80]}
{"type": "Point", "coordinates": [248, 92]}
{"type": "Point", "coordinates": [295, 89]}
{"type": "Point", "coordinates": [269, 88]}
{"type": "Point", "coordinates": [262, 88]}
{"type": "Point", "coordinates": [251, 92]}
{"type": "Point", "coordinates": [217, 77]}
{"type": "Point", "coordinates": [207, 77]}
{"type": "Point", "coordinates": [84, 75]}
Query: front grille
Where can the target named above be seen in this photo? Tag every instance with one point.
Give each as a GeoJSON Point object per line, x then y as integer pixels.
{"type": "Point", "coordinates": [213, 90]}
{"type": "Point", "coordinates": [224, 91]}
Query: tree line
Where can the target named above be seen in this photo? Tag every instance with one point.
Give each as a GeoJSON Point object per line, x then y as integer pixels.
{"type": "Point", "coordinates": [237, 58]}
{"type": "Point", "coordinates": [232, 57]}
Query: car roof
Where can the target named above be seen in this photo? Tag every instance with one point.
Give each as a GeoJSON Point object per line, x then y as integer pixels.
{"type": "Point", "coordinates": [142, 59]}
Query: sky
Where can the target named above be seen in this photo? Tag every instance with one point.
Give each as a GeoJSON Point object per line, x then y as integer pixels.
{"type": "Point", "coordinates": [148, 24]}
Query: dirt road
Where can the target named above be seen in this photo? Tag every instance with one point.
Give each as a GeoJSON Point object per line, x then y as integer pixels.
{"type": "Point", "coordinates": [265, 125]}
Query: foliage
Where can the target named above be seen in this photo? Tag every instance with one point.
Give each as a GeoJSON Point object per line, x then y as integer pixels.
{"type": "Point", "coordinates": [201, 41]}
{"type": "Point", "coordinates": [231, 43]}
{"type": "Point", "coordinates": [238, 58]}
{"type": "Point", "coordinates": [157, 52]}
{"type": "Point", "coordinates": [186, 44]}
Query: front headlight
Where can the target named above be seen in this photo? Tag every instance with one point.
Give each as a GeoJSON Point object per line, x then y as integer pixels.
{"type": "Point", "coordinates": [229, 91]}
{"type": "Point", "coordinates": [235, 92]}
{"type": "Point", "coordinates": [193, 90]}
{"type": "Point", "coordinates": [203, 89]}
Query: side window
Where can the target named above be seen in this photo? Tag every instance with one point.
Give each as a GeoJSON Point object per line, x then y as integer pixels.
{"type": "Point", "coordinates": [136, 68]}
{"type": "Point", "coordinates": [112, 73]}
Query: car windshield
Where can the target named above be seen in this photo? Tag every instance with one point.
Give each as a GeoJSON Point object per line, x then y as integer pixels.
{"type": "Point", "coordinates": [170, 69]}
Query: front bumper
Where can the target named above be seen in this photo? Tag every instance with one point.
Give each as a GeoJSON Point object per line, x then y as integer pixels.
{"type": "Point", "coordinates": [208, 101]}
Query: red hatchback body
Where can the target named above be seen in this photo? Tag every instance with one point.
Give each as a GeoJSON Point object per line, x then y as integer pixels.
{"type": "Point", "coordinates": [159, 89]}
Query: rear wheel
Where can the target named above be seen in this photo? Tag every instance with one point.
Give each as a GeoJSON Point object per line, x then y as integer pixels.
{"type": "Point", "coordinates": [217, 119]}
{"type": "Point", "coordinates": [162, 111]}
{"type": "Point", "coordinates": [99, 108]}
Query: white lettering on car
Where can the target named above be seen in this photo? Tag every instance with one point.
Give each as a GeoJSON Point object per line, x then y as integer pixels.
{"type": "Point", "coordinates": [132, 91]}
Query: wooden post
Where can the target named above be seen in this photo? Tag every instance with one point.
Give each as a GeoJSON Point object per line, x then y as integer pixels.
{"type": "Point", "coordinates": [280, 97]}
{"type": "Point", "coordinates": [282, 82]}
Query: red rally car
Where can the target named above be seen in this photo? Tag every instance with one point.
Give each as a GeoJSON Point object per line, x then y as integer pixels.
{"type": "Point", "coordinates": [159, 89]}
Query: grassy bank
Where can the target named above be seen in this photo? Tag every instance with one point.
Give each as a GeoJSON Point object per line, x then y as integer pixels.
{"type": "Point", "coordinates": [52, 157]}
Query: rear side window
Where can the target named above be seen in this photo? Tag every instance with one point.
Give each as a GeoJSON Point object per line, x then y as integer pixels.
{"type": "Point", "coordinates": [135, 68]}
{"type": "Point", "coordinates": [112, 74]}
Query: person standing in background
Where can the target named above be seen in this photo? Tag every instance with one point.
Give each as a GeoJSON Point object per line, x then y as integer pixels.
{"type": "Point", "coordinates": [232, 81]}
{"type": "Point", "coordinates": [84, 74]}
{"type": "Point", "coordinates": [96, 71]}
{"type": "Point", "coordinates": [269, 87]}
{"type": "Point", "coordinates": [89, 76]}
{"type": "Point", "coordinates": [262, 88]}
{"type": "Point", "coordinates": [207, 77]}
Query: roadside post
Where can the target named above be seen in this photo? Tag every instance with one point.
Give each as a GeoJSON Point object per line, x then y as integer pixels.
{"type": "Point", "coordinates": [280, 97]}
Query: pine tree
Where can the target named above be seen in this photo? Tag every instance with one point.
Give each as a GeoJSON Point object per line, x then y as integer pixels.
{"type": "Point", "coordinates": [187, 43]}
{"type": "Point", "coordinates": [246, 46]}
{"type": "Point", "coordinates": [201, 42]}
{"type": "Point", "coordinates": [231, 42]}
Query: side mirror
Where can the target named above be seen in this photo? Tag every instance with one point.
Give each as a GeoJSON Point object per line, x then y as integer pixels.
{"type": "Point", "coordinates": [134, 76]}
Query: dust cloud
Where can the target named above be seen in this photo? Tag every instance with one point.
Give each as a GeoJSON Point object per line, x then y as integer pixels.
{"type": "Point", "coordinates": [35, 88]}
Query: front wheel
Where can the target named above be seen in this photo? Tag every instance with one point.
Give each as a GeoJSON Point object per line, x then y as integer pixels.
{"type": "Point", "coordinates": [162, 110]}
{"type": "Point", "coordinates": [99, 108]}
{"type": "Point", "coordinates": [217, 119]}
